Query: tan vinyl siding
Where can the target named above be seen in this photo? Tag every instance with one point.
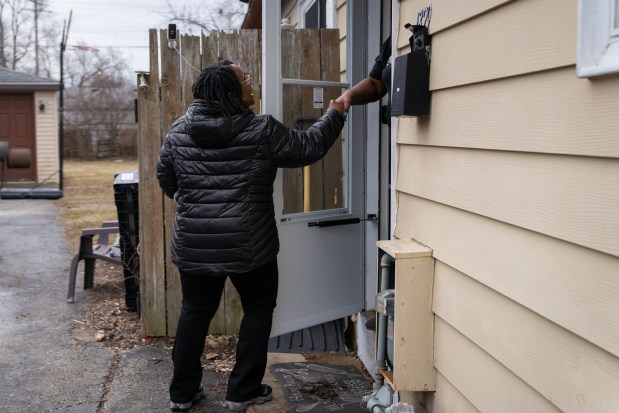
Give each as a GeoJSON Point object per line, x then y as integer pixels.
{"type": "Point", "coordinates": [574, 287]}
{"type": "Point", "coordinates": [563, 368]}
{"type": "Point", "coordinates": [521, 37]}
{"type": "Point", "coordinates": [512, 181]}
{"type": "Point", "coordinates": [569, 198]}
{"type": "Point", "coordinates": [485, 382]}
{"type": "Point", "coordinates": [46, 132]}
{"type": "Point", "coordinates": [451, 399]}
{"type": "Point", "coordinates": [550, 112]}
{"type": "Point", "coordinates": [445, 13]}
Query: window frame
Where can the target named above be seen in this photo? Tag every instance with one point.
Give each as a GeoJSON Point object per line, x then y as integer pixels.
{"type": "Point", "coordinates": [598, 38]}
{"type": "Point", "coordinates": [614, 28]}
{"type": "Point", "coordinates": [304, 5]}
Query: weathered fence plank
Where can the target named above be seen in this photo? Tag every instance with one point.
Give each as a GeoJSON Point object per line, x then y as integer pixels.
{"type": "Point", "coordinates": [171, 107]}
{"type": "Point", "coordinates": [150, 200]}
{"type": "Point", "coordinates": [210, 51]}
{"type": "Point", "coordinates": [191, 67]}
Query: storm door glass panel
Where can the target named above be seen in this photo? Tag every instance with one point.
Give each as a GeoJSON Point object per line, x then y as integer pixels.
{"type": "Point", "coordinates": [320, 186]}
{"type": "Point", "coordinates": [312, 68]}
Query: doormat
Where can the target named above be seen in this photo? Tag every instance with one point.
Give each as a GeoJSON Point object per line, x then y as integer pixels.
{"type": "Point", "coordinates": [321, 388]}
{"type": "Point", "coordinates": [325, 337]}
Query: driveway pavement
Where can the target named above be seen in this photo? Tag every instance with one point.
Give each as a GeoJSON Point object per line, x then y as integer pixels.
{"type": "Point", "coordinates": [43, 368]}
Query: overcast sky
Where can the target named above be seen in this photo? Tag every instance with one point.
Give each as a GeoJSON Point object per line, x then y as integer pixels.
{"type": "Point", "coordinates": [121, 24]}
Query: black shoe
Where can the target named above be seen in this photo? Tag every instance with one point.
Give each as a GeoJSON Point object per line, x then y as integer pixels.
{"type": "Point", "coordinates": [183, 407]}
{"type": "Point", "coordinates": [265, 395]}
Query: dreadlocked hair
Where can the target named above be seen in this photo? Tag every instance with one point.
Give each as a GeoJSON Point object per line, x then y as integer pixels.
{"type": "Point", "coordinates": [221, 89]}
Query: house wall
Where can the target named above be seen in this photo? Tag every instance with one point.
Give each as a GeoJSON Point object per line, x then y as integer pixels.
{"type": "Point", "coordinates": [513, 182]}
{"type": "Point", "coordinates": [46, 132]}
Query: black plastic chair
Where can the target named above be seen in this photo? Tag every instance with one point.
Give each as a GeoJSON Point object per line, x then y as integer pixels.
{"type": "Point", "coordinates": [90, 252]}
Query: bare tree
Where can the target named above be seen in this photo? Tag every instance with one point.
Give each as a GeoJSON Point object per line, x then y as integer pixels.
{"type": "Point", "coordinates": [98, 103]}
{"type": "Point", "coordinates": [225, 15]}
{"type": "Point", "coordinates": [49, 45]}
{"type": "Point", "coordinates": [16, 32]}
{"type": "Point", "coordinates": [27, 33]}
{"type": "Point", "coordinates": [3, 31]}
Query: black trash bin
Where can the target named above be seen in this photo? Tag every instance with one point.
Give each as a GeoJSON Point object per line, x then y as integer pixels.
{"type": "Point", "coordinates": [126, 199]}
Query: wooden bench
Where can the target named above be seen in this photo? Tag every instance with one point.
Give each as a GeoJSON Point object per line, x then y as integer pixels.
{"type": "Point", "coordinates": [90, 252]}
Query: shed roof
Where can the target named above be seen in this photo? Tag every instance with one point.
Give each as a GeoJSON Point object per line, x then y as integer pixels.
{"type": "Point", "coordinates": [18, 81]}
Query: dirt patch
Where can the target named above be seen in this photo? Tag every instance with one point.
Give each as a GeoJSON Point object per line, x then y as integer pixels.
{"type": "Point", "coordinates": [88, 200]}
{"type": "Point", "coordinates": [106, 322]}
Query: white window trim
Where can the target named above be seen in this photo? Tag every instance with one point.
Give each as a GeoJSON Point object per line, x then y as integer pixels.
{"type": "Point", "coordinates": [598, 39]}
{"type": "Point", "coordinates": [331, 14]}
{"type": "Point", "coordinates": [614, 29]}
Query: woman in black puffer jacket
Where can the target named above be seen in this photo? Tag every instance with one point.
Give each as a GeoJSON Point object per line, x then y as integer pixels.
{"type": "Point", "coordinates": [219, 162]}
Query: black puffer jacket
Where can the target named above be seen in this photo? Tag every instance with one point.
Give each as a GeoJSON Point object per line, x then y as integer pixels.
{"type": "Point", "coordinates": [220, 171]}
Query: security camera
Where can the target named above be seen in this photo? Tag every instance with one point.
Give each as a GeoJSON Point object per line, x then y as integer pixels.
{"type": "Point", "coordinates": [172, 36]}
{"type": "Point", "coordinates": [171, 31]}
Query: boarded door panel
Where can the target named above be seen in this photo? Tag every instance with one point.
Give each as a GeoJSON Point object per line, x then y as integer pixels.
{"type": "Point", "coordinates": [17, 128]}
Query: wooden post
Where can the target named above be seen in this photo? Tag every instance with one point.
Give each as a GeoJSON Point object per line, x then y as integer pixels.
{"type": "Point", "coordinates": [171, 108]}
{"type": "Point", "coordinates": [150, 198]}
{"type": "Point", "coordinates": [191, 66]}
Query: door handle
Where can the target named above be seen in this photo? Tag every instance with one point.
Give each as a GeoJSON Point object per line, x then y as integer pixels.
{"type": "Point", "coordinates": [344, 221]}
{"type": "Point", "coordinates": [334, 222]}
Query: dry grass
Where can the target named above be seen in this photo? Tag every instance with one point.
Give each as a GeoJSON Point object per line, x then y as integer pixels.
{"type": "Point", "coordinates": [88, 194]}
{"type": "Point", "coordinates": [88, 199]}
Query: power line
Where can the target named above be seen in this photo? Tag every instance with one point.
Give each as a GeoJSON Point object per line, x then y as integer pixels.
{"type": "Point", "coordinates": [100, 47]}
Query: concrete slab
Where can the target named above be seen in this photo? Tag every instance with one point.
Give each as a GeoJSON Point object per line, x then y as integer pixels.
{"type": "Point", "coordinates": [141, 384]}
{"type": "Point", "coordinates": [43, 369]}
{"type": "Point", "coordinates": [279, 403]}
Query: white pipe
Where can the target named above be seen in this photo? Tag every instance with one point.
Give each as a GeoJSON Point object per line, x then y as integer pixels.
{"type": "Point", "coordinates": [386, 264]}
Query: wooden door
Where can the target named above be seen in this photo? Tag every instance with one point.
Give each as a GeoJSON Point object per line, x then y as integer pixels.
{"type": "Point", "coordinates": [17, 128]}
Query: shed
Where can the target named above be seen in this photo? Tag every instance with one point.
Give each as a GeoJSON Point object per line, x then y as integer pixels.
{"type": "Point", "coordinates": [29, 143]}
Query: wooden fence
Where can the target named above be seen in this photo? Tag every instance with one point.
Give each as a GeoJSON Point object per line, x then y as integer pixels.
{"type": "Point", "coordinates": [164, 94]}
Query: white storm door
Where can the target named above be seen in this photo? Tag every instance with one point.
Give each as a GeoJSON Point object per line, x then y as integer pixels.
{"type": "Point", "coordinates": [319, 209]}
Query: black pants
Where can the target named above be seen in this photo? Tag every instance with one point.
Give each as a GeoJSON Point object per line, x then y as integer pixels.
{"type": "Point", "coordinates": [201, 295]}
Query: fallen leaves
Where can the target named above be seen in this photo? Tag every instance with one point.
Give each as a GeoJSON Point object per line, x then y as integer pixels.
{"type": "Point", "coordinates": [100, 336]}
{"type": "Point", "coordinates": [220, 353]}
{"type": "Point", "coordinates": [105, 317]}
{"type": "Point", "coordinates": [106, 320]}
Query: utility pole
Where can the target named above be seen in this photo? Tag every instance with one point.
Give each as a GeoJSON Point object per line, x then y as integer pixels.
{"type": "Point", "coordinates": [36, 37]}
{"type": "Point", "coordinates": [63, 46]}
{"type": "Point", "coordinates": [37, 12]}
